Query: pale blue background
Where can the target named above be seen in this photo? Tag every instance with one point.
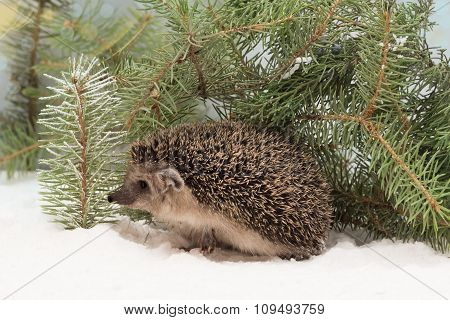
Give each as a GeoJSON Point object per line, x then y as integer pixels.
{"type": "Point", "coordinates": [439, 37]}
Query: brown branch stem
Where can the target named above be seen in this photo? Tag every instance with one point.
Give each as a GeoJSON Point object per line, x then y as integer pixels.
{"type": "Point", "coordinates": [83, 162]}
{"type": "Point", "coordinates": [33, 80]}
{"type": "Point", "coordinates": [375, 134]}
{"type": "Point", "coordinates": [383, 65]}
{"type": "Point", "coordinates": [150, 92]}
{"type": "Point", "coordinates": [319, 30]}
{"type": "Point", "coordinates": [193, 57]}
{"type": "Point", "coordinates": [18, 153]}
{"type": "Point", "coordinates": [232, 44]}
{"type": "Point", "coordinates": [144, 23]}
{"type": "Point", "coordinates": [252, 27]}
{"type": "Point", "coordinates": [371, 127]}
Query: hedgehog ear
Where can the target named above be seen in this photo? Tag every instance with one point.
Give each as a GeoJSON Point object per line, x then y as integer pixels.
{"type": "Point", "coordinates": [171, 178]}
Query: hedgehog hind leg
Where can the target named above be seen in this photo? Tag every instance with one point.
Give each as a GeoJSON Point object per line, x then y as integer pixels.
{"type": "Point", "coordinates": [295, 256]}
{"type": "Point", "coordinates": [302, 253]}
{"type": "Point", "coordinates": [208, 241]}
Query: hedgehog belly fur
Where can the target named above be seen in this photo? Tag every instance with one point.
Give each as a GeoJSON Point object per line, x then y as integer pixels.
{"type": "Point", "coordinates": [186, 216]}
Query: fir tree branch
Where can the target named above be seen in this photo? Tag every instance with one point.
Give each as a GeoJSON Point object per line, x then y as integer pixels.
{"type": "Point", "coordinates": [84, 165]}
{"type": "Point", "coordinates": [384, 203]}
{"type": "Point", "coordinates": [33, 80]}
{"type": "Point", "coordinates": [18, 153]}
{"type": "Point", "coordinates": [383, 65]}
{"type": "Point", "coordinates": [193, 57]}
{"type": "Point", "coordinates": [253, 27]}
{"type": "Point", "coordinates": [143, 24]}
{"type": "Point", "coordinates": [232, 44]}
{"type": "Point", "coordinates": [375, 134]}
{"type": "Point", "coordinates": [111, 34]}
{"type": "Point", "coordinates": [151, 91]}
{"type": "Point", "coordinates": [83, 158]}
{"type": "Point", "coordinates": [371, 127]}
{"type": "Point", "coordinates": [319, 30]}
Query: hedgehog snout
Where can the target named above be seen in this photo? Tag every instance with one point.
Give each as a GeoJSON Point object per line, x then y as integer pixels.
{"type": "Point", "coordinates": [120, 196]}
{"type": "Point", "coordinates": [111, 198]}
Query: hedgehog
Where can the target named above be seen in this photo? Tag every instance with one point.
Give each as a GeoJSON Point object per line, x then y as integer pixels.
{"type": "Point", "coordinates": [232, 185]}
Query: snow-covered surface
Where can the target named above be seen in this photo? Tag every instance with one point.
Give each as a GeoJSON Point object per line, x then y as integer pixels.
{"type": "Point", "coordinates": [131, 261]}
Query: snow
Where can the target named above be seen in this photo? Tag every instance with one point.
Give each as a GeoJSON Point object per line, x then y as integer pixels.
{"type": "Point", "coordinates": [400, 40]}
{"type": "Point", "coordinates": [352, 35]}
{"type": "Point", "coordinates": [298, 61]}
{"type": "Point", "coordinates": [41, 260]}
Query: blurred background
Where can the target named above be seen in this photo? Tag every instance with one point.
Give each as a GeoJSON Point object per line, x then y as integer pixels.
{"type": "Point", "coordinates": [7, 15]}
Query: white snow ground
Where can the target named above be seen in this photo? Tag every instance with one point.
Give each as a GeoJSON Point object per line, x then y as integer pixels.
{"type": "Point", "coordinates": [41, 260]}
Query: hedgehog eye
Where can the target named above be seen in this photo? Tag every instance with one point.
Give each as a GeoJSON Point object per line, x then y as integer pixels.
{"type": "Point", "coordinates": [143, 184]}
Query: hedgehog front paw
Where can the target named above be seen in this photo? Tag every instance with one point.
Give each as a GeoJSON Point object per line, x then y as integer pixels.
{"type": "Point", "coordinates": [208, 242]}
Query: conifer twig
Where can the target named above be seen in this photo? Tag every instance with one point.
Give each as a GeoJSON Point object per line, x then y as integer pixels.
{"type": "Point", "coordinates": [82, 140]}
{"type": "Point", "coordinates": [252, 27]}
{"type": "Point", "coordinates": [419, 184]}
{"type": "Point", "coordinates": [33, 79]}
{"type": "Point", "coordinates": [144, 23]}
{"type": "Point", "coordinates": [383, 65]}
{"type": "Point", "coordinates": [20, 152]}
{"type": "Point", "coordinates": [83, 166]}
{"type": "Point", "coordinates": [193, 57]}
{"type": "Point", "coordinates": [318, 31]}
{"type": "Point", "coordinates": [371, 127]}
{"type": "Point", "coordinates": [231, 43]}
{"type": "Point", "coordinates": [151, 91]}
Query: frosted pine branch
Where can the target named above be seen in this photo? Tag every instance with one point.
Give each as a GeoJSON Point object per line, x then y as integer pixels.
{"type": "Point", "coordinates": [81, 135]}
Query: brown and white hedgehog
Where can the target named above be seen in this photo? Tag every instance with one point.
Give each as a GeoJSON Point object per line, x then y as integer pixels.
{"type": "Point", "coordinates": [233, 185]}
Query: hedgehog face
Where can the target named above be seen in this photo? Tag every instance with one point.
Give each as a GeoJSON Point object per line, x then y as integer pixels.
{"type": "Point", "coordinates": [146, 187]}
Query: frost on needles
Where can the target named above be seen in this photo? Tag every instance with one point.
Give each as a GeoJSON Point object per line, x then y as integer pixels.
{"type": "Point", "coordinates": [81, 135]}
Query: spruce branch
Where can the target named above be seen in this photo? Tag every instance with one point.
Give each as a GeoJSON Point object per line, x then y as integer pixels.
{"type": "Point", "coordinates": [82, 139]}
{"type": "Point", "coordinates": [113, 38]}
{"type": "Point", "coordinates": [193, 57]}
{"type": "Point", "coordinates": [78, 91]}
{"type": "Point", "coordinates": [318, 31]}
{"type": "Point", "coordinates": [383, 65]}
{"type": "Point", "coordinates": [145, 20]}
{"type": "Point", "coordinates": [17, 153]}
{"type": "Point", "coordinates": [18, 132]}
{"type": "Point", "coordinates": [33, 80]}
{"type": "Point", "coordinates": [54, 31]}
{"type": "Point", "coordinates": [23, 47]}
{"type": "Point", "coordinates": [373, 129]}
{"type": "Point", "coordinates": [247, 68]}
{"type": "Point", "coordinates": [374, 95]}
{"type": "Point", "coordinates": [18, 148]}
{"type": "Point", "coordinates": [369, 126]}
{"type": "Point", "coordinates": [257, 27]}
{"type": "Point", "coordinates": [152, 92]}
